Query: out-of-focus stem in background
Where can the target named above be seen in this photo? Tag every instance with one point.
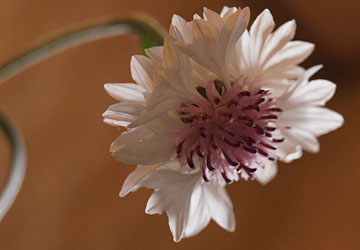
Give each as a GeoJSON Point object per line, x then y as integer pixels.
{"type": "Point", "coordinates": [150, 33]}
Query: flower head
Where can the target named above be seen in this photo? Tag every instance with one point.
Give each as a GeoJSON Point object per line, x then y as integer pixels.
{"type": "Point", "coordinates": [215, 103]}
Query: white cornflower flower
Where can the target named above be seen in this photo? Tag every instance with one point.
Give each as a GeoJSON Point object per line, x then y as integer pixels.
{"type": "Point", "coordinates": [214, 103]}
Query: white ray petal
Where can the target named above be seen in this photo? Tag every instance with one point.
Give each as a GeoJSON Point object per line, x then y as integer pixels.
{"type": "Point", "coordinates": [142, 69]}
{"type": "Point", "coordinates": [227, 11]}
{"type": "Point", "coordinates": [266, 173]}
{"type": "Point", "coordinates": [199, 215]}
{"type": "Point", "coordinates": [278, 40]}
{"type": "Point", "coordinates": [126, 92]}
{"type": "Point", "coordinates": [122, 114]}
{"type": "Point", "coordinates": [220, 206]}
{"type": "Point", "coordinates": [213, 17]}
{"type": "Point", "coordinates": [316, 120]}
{"type": "Point", "coordinates": [174, 199]}
{"type": "Point", "coordinates": [142, 146]}
{"type": "Point", "coordinates": [155, 54]}
{"type": "Point", "coordinates": [293, 53]}
{"type": "Point", "coordinates": [260, 30]}
{"type": "Point", "coordinates": [130, 184]}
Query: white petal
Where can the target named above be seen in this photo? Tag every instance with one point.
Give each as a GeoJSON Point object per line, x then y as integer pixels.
{"type": "Point", "coordinates": [178, 69]}
{"type": "Point", "coordinates": [155, 54]}
{"type": "Point", "coordinates": [142, 70]}
{"type": "Point", "coordinates": [233, 29]}
{"type": "Point", "coordinates": [126, 92]}
{"type": "Point", "coordinates": [213, 17]}
{"type": "Point", "coordinates": [300, 84]}
{"type": "Point", "coordinates": [302, 137]}
{"type": "Point", "coordinates": [173, 195]}
{"type": "Point", "coordinates": [210, 200]}
{"type": "Point", "coordinates": [115, 123]}
{"type": "Point", "coordinates": [287, 72]}
{"type": "Point", "coordinates": [294, 52]}
{"type": "Point", "coordinates": [199, 215]}
{"type": "Point", "coordinates": [122, 114]}
{"type": "Point", "coordinates": [316, 92]}
{"type": "Point", "coordinates": [242, 54]}
{"type": "Point", "coordinates": [289, 151]}
{"type": "Point", "coordinates": [220, 205]}
{"type": "Point", "coordinates": [196, 16]}
{"type": "Point", "coordinates": [278, 39]}
{"type": "Point", "coordinates": [265, 174]}
{"type": "Point", "coordinates": [182, 29]}
{"type": "Point", "coordinates": [260, 30]}
{"type": "Point", "coordinates": [226, 12]}
{"type": "Point", "coordinates": [188, 201]}
{"type": "Point", "coordinates": [130, 184]}
{"type": "Point", "coordinates": [158, 110]}
{"type": "Point", "coordinates": [312, 71]}
{"type": "Point", "coordinates": [204, 38]}
{"type": "Point", "coordinates": [201, 75]}
{"type": "Point", "coordinates": [319, 91]}
{"type": "Point", "coordinates": [317, 120]}
{"type": "Point", "coordinates": [143, 146]}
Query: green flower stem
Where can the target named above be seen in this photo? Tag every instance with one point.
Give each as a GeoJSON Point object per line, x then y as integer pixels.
{"type": "Point", "coordinates": [150, 32]}
{"type": "Point", "coordinates": [18, 165]}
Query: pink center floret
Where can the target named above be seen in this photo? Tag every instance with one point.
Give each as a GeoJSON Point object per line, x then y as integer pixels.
{"type": "Point", "coordinates": [227, 131]}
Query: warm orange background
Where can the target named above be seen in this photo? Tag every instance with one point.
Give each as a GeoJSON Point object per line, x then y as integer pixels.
{"type": "Point", "coordinates": [69, 199]}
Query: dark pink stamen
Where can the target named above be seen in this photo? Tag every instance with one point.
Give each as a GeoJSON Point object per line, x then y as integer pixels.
{"type": "Point", "coordinates": [228, 129]}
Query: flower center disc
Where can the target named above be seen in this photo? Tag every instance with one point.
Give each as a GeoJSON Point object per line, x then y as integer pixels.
{"type": "Point", "coordinates": [227, 131]}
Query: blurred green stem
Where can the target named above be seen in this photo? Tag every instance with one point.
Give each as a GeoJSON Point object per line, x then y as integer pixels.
{"type": "Point", "coordinates": [18, 165]}
{"type": "Point", "coordinates": [150, 32]}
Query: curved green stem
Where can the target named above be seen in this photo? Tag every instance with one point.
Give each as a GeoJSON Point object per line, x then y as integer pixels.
{"type": "Point", "coordinates": [18, 165]}
{"type": "Point", "coordinates": [150, 32]}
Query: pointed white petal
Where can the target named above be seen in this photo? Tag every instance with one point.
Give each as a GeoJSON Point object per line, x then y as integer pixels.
{"type": "Point", "coordinates": [130, 184]}
{"type": "Point", "coordinates": [266, 173]}
{"type": "Point", "coordinates": [115, 123]}
{"type": "Point", "coordinates": [158, 110]}
{"type": "Point", "coordinates": [287, 99]}
{"type": "Point", "coordinates": [288, 151]}
{"type": "Point", "coordinates": [260, 30]}
{"type": "Point", "coordinates": [294, 52]}
{"type": "Point", "coordinates": [188, 201]}
{"type": "Point", "coordinates": [143, 145]}
{"type": "Point", "coordinates": [316, 120]}
{"type": "Point", "coordinates": [122, 114]}
{"type": "Point", "coordinates": [204, 40]}
{"type": "Point", "coordinates": [232, 30]}
{"type": "Point", "coordinates": [242, 55]}
{"type": "Point", "coordinates": [312, 71]}
{"type": "Point", "coordinates": [142, 70]}
{"type": "Point", "coordinates": [302, 137]}
{"type": "Point", "coordinates": [220, 205]}
{"type": "Point", "coordinates": [126, 92]}
{"type": "Point", "coordinates": [155, 54]}
{"type": "Point", "coordinates": [178, 69]}
{"type": "Point", "coordinates": [278, 39]}
{"type": "Point", "coordinates": [226, 12]}
{"type": "Point", "coordinates": [182, 28]}
{"type": "Point", "coordinates": [316, 92]}
{"type": "Point", "coordinates": [173, 195]}
{"type": "Point", "coordinates": [199, 215]}
{"type": "Point", "coordinates": [213, 17]}
{"type": "Point", "coordinates": [286, 72]}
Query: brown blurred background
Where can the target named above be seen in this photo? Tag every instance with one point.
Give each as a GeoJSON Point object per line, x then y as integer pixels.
{"type": "Point", "coordinates": [69, 199]}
